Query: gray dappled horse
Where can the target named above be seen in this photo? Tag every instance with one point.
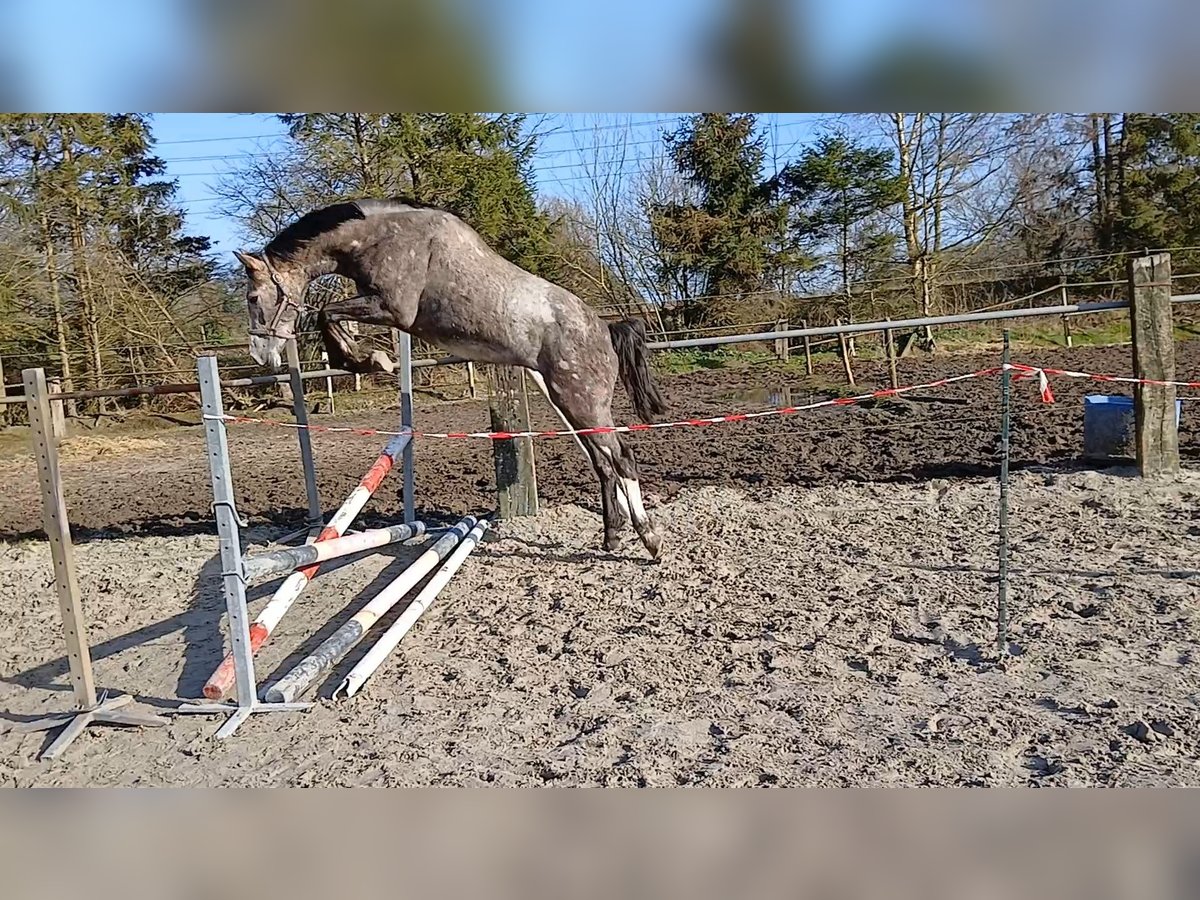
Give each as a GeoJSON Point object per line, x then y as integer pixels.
{"type": "Point", "coordinates": [425, 271]}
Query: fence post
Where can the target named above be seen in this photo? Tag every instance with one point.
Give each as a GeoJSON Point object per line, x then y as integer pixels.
{"type": "Point", "coordinates": [88, 710]}
{"type": "Point", "coordinates": [3, 394]}
{"type": "Point", "coordinates": [846, 364]}
{"type": "Point", "coordinates": [1066, 321]}
{"type": "Point", "coordinates": [328, 382]}
{"type": "Point", "coordinates": [58, 421]}
{"type": "Point", "coordinates": [890, 350]}
{"type": "Point", "coordinates": [58, 532]}
{"type": "Point", "coordinates": [781, 344]}
{"type": "Point", "coordinates": [808, 364]}
{"type": "Point", "coordinates": [516, 476]}
{"type": "Point", "coordinates": [402, 344]}
{"type": "Point", "coordinates": [1153, 358]}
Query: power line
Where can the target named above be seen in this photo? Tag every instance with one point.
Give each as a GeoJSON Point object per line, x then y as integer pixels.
{"type": "Point", "coordinates": [229, 137]}
{"type": "Point", "coordinates": [560, 151]}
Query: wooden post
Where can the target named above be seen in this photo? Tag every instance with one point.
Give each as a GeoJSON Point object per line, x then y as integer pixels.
{"type": "Point", "coordinates": [1153, 358]}
{"type": "Point", "coordinates": [781, 344]}
{"type": "Point", "coordinates": [516, 476]}
{"type": "Point", "coordinates": [846, 356]}
{"type": "Point", "coordinates": [808, 364]}
{"type": "Point", "coordinates": [328, 382]}
{"type": "Point", "coordinates": [3, 394]}
{"type": "Point", "coordinates": [1066, 321]}
{"type": "Point", "coordinates": [58, 421]}
{"type": "Point", "coordinates": [890, 350]}
{"type": "Point", "coordinates": [58, 532]}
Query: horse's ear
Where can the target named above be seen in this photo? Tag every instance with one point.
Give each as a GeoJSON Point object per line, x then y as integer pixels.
{"type": "Point", "coordinates": [252, 263]}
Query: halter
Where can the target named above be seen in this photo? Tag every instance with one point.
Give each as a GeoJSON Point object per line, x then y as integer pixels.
{"type": "Point", "coordinates": [285, 301]}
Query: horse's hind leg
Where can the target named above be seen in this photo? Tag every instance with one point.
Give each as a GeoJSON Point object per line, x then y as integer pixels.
{"type": "Point", "coordinates": [629, 484]}
{"type": "Point", "coordinates": [612, 501]}
{"type": "Point", "coordinates": [613, 459]}
{"type": "Point", "coordinates": [345, 352]}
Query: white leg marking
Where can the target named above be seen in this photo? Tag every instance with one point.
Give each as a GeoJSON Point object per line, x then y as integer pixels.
{"type": "Point", "coordinates": [633, 490]}
{"type": "Point", "coordinates": [622, 499]}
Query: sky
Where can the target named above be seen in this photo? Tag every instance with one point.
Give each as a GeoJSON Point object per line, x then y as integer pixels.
{"type": "Point", "coordinates": [199, 147]}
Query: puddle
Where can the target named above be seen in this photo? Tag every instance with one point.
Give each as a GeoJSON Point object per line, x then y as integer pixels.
{"type": "Point", "coordinates": [774, 397]}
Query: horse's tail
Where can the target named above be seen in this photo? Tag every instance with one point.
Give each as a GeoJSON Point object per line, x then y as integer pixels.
{"type": "Point", "coordinates": [629, 340]}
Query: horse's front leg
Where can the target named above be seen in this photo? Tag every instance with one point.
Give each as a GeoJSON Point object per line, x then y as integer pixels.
{"type": "Point", "coordinates": [344, 351]}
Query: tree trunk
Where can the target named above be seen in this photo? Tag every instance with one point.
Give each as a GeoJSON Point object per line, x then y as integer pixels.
{"type": "Point", "coordinates": [1110, 187]}
{"type": "Point", "coordinates": [1120, 209]}
{"type": "Point", "coordinates": [912, 242]}
{"type": "Point", "coordinates": [60, 321]}
{"type": "Point", "coordinates": [83, 277]}
{"type": "Point", "coordinates": [1099, 175]}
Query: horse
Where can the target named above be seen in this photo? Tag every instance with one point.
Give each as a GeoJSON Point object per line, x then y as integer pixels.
{"type": "Point", "coordinates": [425, 271]}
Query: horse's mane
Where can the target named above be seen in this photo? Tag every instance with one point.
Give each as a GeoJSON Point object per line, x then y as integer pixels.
{"type": "Point", "coordinates": [296, 236]}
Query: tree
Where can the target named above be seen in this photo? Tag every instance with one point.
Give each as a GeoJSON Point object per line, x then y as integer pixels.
{"type": "Point", "coordinates": [111, 256]}
{"type": "Point", "coordinates": [950, 165]}
{"type": "Point", "coordinates": [835, 189]}
{"type": "Point", "coordinates": [1053, 205]}
{"type": "Point", "coordinates": [476, 166]}
{"type": "Point", "coordinates": [1158, 181]}
{"type": "Point", "coordinates": [732, 236]}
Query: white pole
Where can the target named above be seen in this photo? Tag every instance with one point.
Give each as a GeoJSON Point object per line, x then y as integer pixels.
{"type": "Point", "coordinates": [321, 660]}
{"type": "Point", "coordinates": [222, 679]}
{"type": "Point", "coordinates": [281, 562]}
{"type": "Point", "coordinates": [387, 643]}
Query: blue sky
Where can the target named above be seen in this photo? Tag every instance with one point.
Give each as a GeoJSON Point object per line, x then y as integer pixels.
{"type": "Point", "coordinates": [199, 147]}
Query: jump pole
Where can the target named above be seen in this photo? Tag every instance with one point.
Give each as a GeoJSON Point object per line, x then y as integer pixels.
{"type": "Point", "coordinates": [366, 667]}
{"type": "Point", "coordinates": [222, 679]}
{"type": "Point", "coordinates": [282, 562]}
{"type": "Point", "coordinates": [233, 577]}
{"type": "Point", "coordinates": [89, 710]}
{"type": "Point", "coordinates": [321, 660]}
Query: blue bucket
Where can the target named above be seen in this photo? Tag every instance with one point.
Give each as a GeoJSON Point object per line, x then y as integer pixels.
{"type": "Point", "coordinates": [1108, 425]}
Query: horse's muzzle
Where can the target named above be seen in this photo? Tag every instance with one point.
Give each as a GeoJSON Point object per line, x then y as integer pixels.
{"type": "Point", "coordinates": [267, 351]}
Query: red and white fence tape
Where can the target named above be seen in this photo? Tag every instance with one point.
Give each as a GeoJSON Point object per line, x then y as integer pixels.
{"type": "Point", "coordinates": [620, 429]}
{"type": "Point", "coordinates": [1020, 370]}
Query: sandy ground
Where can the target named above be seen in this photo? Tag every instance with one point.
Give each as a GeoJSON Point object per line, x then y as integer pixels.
{"type": "Point", "coordinates": [837, 634]}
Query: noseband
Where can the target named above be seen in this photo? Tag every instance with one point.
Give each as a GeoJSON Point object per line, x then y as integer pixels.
{"type": "Point", "coordinates": [285, 302]}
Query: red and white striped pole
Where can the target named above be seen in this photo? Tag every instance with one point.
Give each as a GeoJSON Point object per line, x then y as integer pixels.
{"type": "Point", "coordinates": [219, 684]}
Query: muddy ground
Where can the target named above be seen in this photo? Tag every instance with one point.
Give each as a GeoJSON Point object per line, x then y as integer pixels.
{"type": "Point", "coordinates": [824, 615]}
{"type": "Point", "coordinates": [162, 487]}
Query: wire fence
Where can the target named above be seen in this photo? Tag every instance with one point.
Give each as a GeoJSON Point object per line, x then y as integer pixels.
{"type": "Point", "coordinates": [143, 386]}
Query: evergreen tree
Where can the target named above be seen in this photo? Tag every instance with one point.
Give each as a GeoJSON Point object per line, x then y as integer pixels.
{"type": "Point", "coordinates": [476, 166]}
{"type": "Point", "coordinates": [114, 265]}
{"type": "Point", "coordinates": [1159, 182]}
{"type": "Point", "coordinates": [731, 237]}
{"type": "Point", "coordinates": [838, 189]}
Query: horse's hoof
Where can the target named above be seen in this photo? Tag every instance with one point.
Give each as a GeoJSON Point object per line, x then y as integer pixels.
{"type": "Point", "coordinates": [653, 544]}
{"type": "Point", "coordinates": [612, 543]}
{"type": "Point", "coordinates": [381, 362]}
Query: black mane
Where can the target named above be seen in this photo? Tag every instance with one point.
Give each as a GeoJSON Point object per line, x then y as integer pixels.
{"type": "Point", "coordinates": [292, 239]}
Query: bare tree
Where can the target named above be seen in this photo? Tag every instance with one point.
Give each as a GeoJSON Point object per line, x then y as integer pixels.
{"type": "Point", "coordinates": [956, 196]}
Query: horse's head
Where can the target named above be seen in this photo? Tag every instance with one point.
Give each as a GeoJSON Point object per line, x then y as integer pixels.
{"type": "Point", "coordinates": [274, 300]}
